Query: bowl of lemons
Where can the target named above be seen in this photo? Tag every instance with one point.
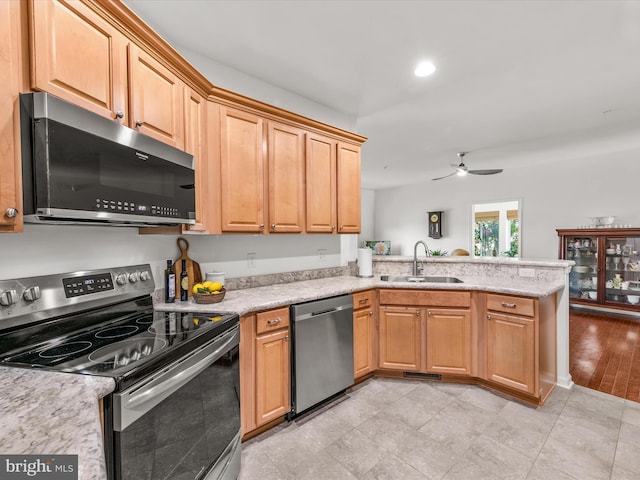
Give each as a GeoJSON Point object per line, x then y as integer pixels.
{"type": "Point", "coordinates": [208, 292]}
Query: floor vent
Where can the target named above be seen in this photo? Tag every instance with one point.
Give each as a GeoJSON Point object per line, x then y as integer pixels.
{"type": "Point", "coordinates": [432, 376]}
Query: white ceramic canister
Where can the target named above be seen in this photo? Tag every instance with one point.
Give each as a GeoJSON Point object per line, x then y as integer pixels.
{"type": "Point", "coordinates": [215, 277]}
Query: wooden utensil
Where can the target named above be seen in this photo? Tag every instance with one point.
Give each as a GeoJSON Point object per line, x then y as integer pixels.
{"type": "Point", "coordinates": [193, 268]}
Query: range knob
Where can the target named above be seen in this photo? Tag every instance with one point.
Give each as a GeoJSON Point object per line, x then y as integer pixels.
{"type": "Point", "coordinates": [8, 297]}
{"type": "Point", "coordinates": [144, 276]}
{"type": "Point", "coordinates": [31, 294]}
{"type": "Point", "coordinates": [134, 277]}
{"type": "Point", "coordinates": [121, 279]}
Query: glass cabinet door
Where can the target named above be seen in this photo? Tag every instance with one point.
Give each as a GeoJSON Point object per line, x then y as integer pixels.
{"type": "Point", "coordinates": [583, 279]}
{"type": "Point", "coordinates": [622, 268]}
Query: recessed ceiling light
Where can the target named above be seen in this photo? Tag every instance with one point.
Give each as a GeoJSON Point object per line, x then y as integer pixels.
{"type": "Point", "coordinates": [424, 69]}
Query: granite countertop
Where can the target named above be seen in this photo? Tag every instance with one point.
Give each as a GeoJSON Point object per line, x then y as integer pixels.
{"type": "Point", "coordinates": [283, 294]}
{"type": "Point", "coordinates": [52, 413]}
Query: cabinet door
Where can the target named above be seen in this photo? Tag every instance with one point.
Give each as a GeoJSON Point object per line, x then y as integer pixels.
{"type": "Point", "coordinates": [286, 178]}
{"type": "Point", "coordinates": [79, 57]}
{"type": "Point", "coordinates": [321, 184]}
{"type": "Point", "coordinates": [11, 83]}
{"type": "Point", "coordinates": [364, 327]}
{"type": "Point", "coordinates": [400, 338]}
{"type": "Point", "coordinates": [511, 351]}
{"type": "Point", "coordinates": [156, 99]}
{"type": "Point", "coordinates": [195, 109]}
{"type": "Point", "coordinates": [348, 188]}
{"type": "Point", "coordinates": [272, 376]}
{"type": "Point", "coordinates": [449, 341]}
{"type": "Point", "coordinates": [242, 171]}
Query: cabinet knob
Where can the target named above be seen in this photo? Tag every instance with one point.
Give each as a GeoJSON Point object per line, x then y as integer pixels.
{"type": "Point", "coordinates": [417, 313]}
{"type": "Point", "coordinates": [371, 314]}
{"type": "Point", "coordinates": [341, 227]}
{"type": "Point", "coordinates": [274, 321]}
{"type": "Point", "coordinates": [273, 226]}
{"type": "Point", "coordinates": [333, 227]}
{"type": "Point", "coordinates": [508, 305]}
{"type": "Point", "coordinates": [286, 337]}
{"type": "Point", "coordinates": [430, 314]}
{"type": "Point", "coordinates": [261, 226]}
{"type": "Point", "coordinates": [120, 114]}
{"type": "Point", "coordinates": [138, 123]}
{"type": "Point", "coordinates": [11, 212]}
{"type": "Point", "coordinates": [488, 317]}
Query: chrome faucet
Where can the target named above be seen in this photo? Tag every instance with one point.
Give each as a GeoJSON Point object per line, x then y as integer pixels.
{"type": "Point", "coordinates": [415, 269]}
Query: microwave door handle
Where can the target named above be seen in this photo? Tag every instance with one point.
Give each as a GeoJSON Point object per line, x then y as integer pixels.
{"type": "Point", "coordinates": [164, 388]}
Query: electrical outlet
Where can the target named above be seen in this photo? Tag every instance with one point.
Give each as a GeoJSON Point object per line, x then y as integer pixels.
{"type": "Point", "coordinates": [527, 272]}
{"type": "Point", "coordinates": [251, 260]}
{"type": "Point", "coordinates": [322, 255]}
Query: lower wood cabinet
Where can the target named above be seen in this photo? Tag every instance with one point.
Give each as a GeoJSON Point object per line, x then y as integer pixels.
{"type": "Point", "coordinates": [364, 333]}
{"type": "Point", "coordinates": [264, 368]}
{"type": "Point", "coordinates": [449, 341]}
{"type": "Point", "coordinates": [511, 351]}
{"type": "Point", "coordinates": [521, 343]}
{"type": "Point", "coordinates": [400, 342]}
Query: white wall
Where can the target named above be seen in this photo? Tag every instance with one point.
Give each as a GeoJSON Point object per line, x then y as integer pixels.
{"type": "Point", "coordinates": [559, 191]}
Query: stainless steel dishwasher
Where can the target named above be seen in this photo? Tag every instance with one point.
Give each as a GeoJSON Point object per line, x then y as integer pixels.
{"type": "Point", "coordinates": [322, 351]}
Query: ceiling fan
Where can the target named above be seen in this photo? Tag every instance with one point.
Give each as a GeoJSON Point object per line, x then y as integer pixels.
{"type": "Point", "coordinates": [462, 169]}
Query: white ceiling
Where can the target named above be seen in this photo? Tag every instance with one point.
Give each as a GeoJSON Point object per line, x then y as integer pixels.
{"type": "Point", "coordinates": [515, 79]}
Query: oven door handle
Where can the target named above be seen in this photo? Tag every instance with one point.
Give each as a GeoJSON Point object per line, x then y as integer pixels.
{"type": "Point", "coordinates": [139, 399]}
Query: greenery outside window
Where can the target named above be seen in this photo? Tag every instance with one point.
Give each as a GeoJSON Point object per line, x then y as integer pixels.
{"type": "Point", "coordinates": [496, 229]}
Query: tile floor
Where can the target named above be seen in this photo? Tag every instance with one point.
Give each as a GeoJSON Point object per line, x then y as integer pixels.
{"type": "Point", "coordinates": [407, 429]}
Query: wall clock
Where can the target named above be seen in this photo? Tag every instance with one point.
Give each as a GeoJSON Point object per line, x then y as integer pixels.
{"type": "Point", "coordinates": [435, 224]}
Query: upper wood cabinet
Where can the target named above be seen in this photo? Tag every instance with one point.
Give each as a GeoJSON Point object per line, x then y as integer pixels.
{"type": "Point", "coordinates": [348, 188]}
{"type": "Point", "coordinates": [196, 143]}
{"type": "Point", "coordinates": [79, 57]}
{"type": "Point", "coordinates": [321, 196]}
{"type": "Point", "coordinates": [242, 171]}
{"type": "Point", "coordinates": [11, 83]}
{"type": "Point", "coordinates": [286, 178]}
{"type": "Point", "coordinates": [156, 99]}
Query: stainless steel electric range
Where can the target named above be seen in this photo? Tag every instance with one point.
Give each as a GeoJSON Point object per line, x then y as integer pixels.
{"type": "Point", "coordinates": [175, 411]}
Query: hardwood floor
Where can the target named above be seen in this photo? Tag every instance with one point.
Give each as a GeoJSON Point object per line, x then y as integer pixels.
{"type": "Point", "coordinates": [604, 353]}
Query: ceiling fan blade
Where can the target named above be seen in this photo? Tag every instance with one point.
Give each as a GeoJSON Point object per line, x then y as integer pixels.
{"type": "Point", "coordinates": [485, 172]}
{"type": "Point", "coordinates": [446, 176]}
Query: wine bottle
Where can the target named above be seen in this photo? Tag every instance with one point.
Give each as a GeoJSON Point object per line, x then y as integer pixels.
{"type": "Point", "coordinates": [169, 283]}
{"type": "Point", "coordinates": [184, 282]}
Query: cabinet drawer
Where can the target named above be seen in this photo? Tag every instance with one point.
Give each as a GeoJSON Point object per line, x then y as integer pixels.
{"type": "Point", "coordinates": [508, 304]}
{"type": "Point", "coordinates": [272, 320]}
{"type": "Point", "coordinates": [431, 298]}
{"type": "Point", "coordinates": [363, 299]}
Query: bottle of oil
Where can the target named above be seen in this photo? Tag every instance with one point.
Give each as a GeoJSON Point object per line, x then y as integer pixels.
{"type": "Point", "coordinates": [169, 283]}
{"type": "Point", "coordinates": [184, 282]}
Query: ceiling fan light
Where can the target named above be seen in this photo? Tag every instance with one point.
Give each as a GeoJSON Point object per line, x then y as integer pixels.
{"type": "Point", "coordinates": [424, 69]}
{"type": "Point", "coordinates": [461, 172]}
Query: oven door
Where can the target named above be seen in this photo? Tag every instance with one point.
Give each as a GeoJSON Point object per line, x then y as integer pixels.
{"type": "Point", "coordinates": [182, 422]}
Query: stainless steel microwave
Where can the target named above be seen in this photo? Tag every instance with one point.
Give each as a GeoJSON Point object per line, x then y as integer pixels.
{"type": "Point", "coordinates": [79, 167]}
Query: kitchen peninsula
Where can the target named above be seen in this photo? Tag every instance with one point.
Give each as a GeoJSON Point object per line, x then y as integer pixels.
{"type": "Point", "coordinates": [531, 281]}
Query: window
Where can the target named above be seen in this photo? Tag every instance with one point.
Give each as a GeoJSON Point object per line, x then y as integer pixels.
{"type": "Point", "coordinates": [496, 229]}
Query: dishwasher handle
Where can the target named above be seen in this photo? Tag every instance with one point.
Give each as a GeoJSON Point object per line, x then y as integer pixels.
{"type": "Point", "coordinates": [316, 314]}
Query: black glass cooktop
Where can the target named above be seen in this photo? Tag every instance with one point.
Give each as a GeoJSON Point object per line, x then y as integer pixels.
{"type": "Point", "coordinates": [120, 345]}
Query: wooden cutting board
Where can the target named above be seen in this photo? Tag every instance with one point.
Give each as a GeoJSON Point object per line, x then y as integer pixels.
{"type": "Point", "coordinates": [193, 267]}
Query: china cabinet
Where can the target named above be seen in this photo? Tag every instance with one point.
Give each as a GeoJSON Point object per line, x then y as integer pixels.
{"type": "Point", "coordinates": [607, 269]}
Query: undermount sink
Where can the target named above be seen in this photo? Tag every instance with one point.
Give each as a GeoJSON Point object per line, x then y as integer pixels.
{"type": "Point", "coordinates": [409, 278]}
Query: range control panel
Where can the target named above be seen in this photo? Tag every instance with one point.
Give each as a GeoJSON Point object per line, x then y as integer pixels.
{"type": "Point", "coordinates": [25, 300]}
{"type": "Point", "coordinates": [87, 284]}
